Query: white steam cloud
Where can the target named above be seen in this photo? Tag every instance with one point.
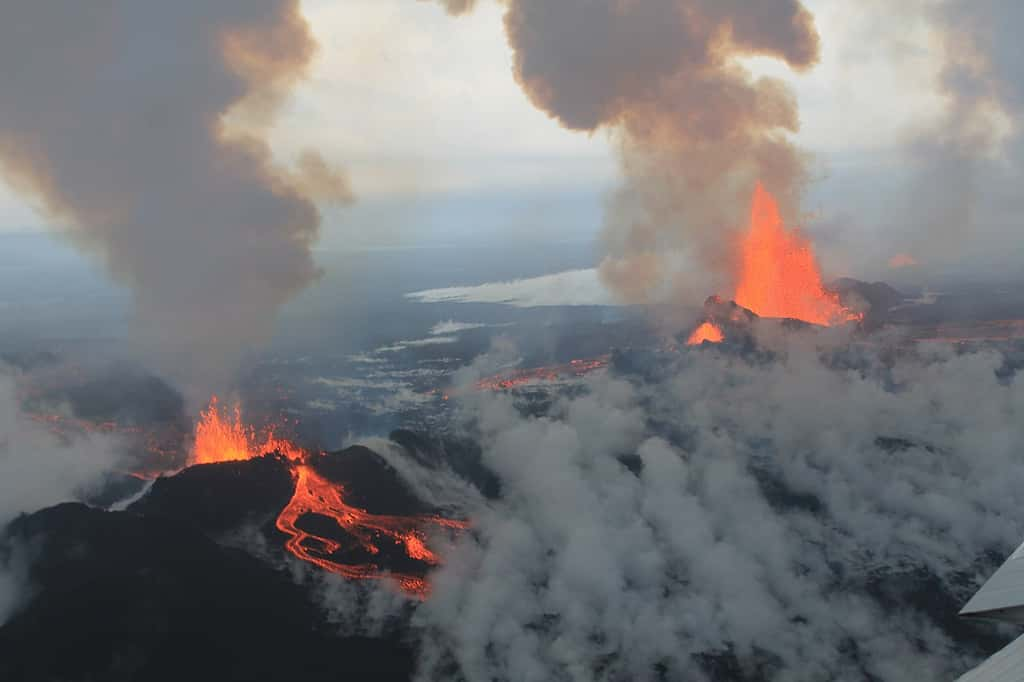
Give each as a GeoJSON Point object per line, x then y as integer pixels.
{"type": "Point", "coordinates": [38, 470]}
{"type": "Point", "coordinates": [745, 510]}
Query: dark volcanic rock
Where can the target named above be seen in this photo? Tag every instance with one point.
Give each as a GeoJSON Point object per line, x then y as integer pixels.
{"type": "Point", "coordinates": [111, 489]}
{"type": "Point", "coordinates": [127, 396]}
{"type": "Point", "coordinates": [222, 497]}
{"type": "Point", "coordinates": [370, 482]}
{"type": "Point", "coordinates": [463, 456]}
{"type": "Point", "coordinates": [874, 299]}
{"type": "Point", "coordinates": [725, 313]}
{"type": "Point", "coordinates": [919, 589]}
{"type": "Point", "coordinates": [122, 596]}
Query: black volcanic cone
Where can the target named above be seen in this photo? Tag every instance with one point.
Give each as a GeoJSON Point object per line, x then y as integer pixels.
{"type": "Point", "coordinates": [222, 497]}
{"type": "Point", "coordinates": [122, 596]}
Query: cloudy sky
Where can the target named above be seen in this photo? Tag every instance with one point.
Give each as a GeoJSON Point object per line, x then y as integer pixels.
{"type": "Point", "coordinates": [416, 102]}
{"type": "Point", "coordinates": [420, 106]}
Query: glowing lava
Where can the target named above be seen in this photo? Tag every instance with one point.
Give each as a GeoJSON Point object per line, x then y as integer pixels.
{"type": "Point", "coordinates": [226, 438]}
{"type": "Point", "coordinates": [221, 438]}
{"type": "Point", "coordinates": [523, 377]}
{"type": "Point", "coordinates": [709, 332]}
{"type": "Point", "coordinates": [779, 275]}
{"type": "Point", "coordinates": [314, 494]}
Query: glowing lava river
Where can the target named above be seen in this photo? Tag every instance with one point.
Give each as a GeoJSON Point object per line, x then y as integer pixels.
{"type": "Point", "coordinates": [222, 438]}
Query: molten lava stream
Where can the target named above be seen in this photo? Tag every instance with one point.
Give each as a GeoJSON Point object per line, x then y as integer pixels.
{"type": "Point", "coordinates": [314, 494]}
{"type": "Point", "coordinates": [522, 377]}
{"type": "Point", "coordinates": [222, 438]}
{"type": "Point", "coordinates": [779, 275]}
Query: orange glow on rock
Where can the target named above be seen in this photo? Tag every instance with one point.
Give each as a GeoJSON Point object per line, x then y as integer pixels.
{"type": "Point", "coordinates": [709, 332]}
{"type": "Point", "coordinates": [779, 274]}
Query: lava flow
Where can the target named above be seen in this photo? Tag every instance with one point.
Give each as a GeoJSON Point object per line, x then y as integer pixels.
{"type": "Point", "coordinates": [779, 275]}
{"type": "Point", "coordinates": [314, 494]}
{"type": "Point", "coordinates": [709, 332]}
{"type": "Point", "coordinates": [221, 438]}
{"type": "Point", "coordinates": [522, 377]}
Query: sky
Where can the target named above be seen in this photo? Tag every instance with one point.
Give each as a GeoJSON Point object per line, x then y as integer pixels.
{"type": "Point", "coordinates": [414, 102]}
{"type": "Point", "coordinates": [422, 111]}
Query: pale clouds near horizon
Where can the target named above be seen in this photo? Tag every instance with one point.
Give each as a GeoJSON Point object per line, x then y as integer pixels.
{"type": "Point", "coordinates": [413, 102]}
{"type": "Point", "coordinates": [569, 288]}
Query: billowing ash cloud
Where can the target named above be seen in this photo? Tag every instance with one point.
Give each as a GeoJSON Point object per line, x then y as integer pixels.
{"type": "Point", "coordinates": [695, 130]}
{"type": "Point", "coordinates": [818, 516]}
{"type": "Point", "coordinates": [114, 118]}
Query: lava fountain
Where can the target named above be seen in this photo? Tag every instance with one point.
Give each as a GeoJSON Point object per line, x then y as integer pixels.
{"type": "Point", "coordinates": [779, 274]}
{"type": "Point", "coordinates": [709, 332]}
{"type": "Point", "coordinates": [221, 437]}
{"type": "Point", "coordinates": [226, 438]}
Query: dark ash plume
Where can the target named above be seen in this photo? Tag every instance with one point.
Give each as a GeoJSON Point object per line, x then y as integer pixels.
{"type": "Point", "coordinates": [113, 118]}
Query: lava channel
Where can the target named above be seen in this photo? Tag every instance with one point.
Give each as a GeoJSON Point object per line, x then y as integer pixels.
{"type": "Point", "coordinates": [223, 438]}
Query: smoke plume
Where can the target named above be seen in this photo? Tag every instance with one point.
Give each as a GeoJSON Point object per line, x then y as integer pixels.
{"type": "Point", "coordinates": [694, 129]}
{"type": "Point", "coordinates": [138, 126]}
{"type": "Point", "coordinates": [963, 207]}
{"type": "Point", "coordinates": [822, 515]}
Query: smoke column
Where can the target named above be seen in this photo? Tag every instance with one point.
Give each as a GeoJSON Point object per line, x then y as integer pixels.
{"type": "Point", "coordinates": [113, 118]}
{"type": "Point", "coordinates": [964, 207]}
{"type": "Point", "coordinates": [694, 129]}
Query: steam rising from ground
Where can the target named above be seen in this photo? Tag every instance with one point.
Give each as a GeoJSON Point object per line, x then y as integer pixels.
{"type": "Point", "coordinates": [694, 128]}
{"type": "Point", "coordinates": [768, 514]}
{"type": "Point", "coordinates": [37, 470]}
{"type": "Point", "coordinates": [114, 117]}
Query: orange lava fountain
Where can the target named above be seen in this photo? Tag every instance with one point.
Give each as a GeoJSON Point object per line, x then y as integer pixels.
{"type": "Point", "coordinates": [709, 332]}
{"type": "Point", "coordinates": [221, 438]}
{"type": "Point", "coordinates": [779, 275]}
{"type": "Point", "coordinates": [226, 438]}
